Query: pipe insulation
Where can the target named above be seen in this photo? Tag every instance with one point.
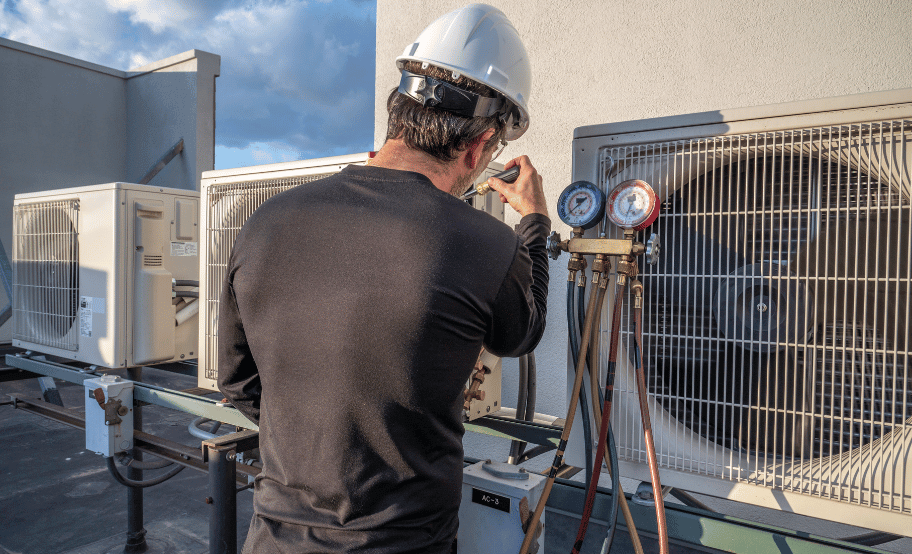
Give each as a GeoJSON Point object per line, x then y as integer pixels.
{"type": "Point", "coordinates": [185, 313]}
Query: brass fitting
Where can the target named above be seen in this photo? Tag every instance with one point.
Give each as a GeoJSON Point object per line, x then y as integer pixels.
{"type": "Point", "coordinates": [576, 264]}
{"type": "Point", "coordinates": [601, 264]}
{"type": "Point", "coordinates": [637, 288]}
{"type": "Point", "coordinates": [581, 282]}
{"type": "Point", "coordinates": [628, 267]}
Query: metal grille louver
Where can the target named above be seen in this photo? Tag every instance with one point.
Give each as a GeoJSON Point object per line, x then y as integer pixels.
{"type": "Point", "coordinates": [228, 208]}
{"type": "Point", "coordinates": [152, 261]}
{"type": "Point", "coordinates": [46, 273]}
{"type": "Point", "coordinates": [777, 344]}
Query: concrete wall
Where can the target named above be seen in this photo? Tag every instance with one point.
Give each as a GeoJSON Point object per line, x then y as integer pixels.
{"type": "Point", "coordinates": [168, 100]}
{"type": "Point", "coordinates": [66, 122]}
{"type": "Point", "coordinates": [600, 62]}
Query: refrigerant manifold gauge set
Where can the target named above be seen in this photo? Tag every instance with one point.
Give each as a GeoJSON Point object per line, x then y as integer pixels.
{"type": "Point", "coordinates": [631, 205]}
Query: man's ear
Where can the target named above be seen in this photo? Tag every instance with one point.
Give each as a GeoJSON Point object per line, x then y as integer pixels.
{"type": "Point", "coordinates": [476, 148]}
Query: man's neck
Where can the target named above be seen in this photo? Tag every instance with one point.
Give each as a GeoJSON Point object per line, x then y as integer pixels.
{"type": "Point", "coordinates": [396, 155]}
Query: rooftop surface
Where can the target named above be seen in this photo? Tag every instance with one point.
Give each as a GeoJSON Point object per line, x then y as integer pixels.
{"type": "Point", "coordinates": [57, 498]}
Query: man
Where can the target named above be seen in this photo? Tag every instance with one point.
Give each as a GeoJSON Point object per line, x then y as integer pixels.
{"type": "Point", "coordinates": [355, 307]}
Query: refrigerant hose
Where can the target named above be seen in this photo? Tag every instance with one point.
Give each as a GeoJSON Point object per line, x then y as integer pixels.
{"type": "Point", "coordinates": [613, 467]}
{"type": "Point", "coordinates": [532, 384]}
{"type": "Point", "coordinates": [610, 456]}
{"type": "Point", "coordinates": [637, 288]}
{"type": "Point", "coordinates": [596, 298]}
{"type": "Point", "coordinates": [574, 345]}
{"type": "Point", "coordinates": [525, 401]}
{"type": "Point", "coordinates": [606, 415]}
{"type": "Point", "coordinates": [144, 464]}
{"type": "Point", "coordinates": [139, 484]}
{"type": "Point", "coordinates": [522, 395]}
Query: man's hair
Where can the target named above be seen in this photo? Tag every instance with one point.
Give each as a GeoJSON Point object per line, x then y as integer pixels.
{"type": "Point", "coordinates": [436, 132]}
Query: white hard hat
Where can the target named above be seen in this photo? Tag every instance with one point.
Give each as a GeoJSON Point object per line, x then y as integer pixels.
{"type": "Point", "coordinates": [480, 43]}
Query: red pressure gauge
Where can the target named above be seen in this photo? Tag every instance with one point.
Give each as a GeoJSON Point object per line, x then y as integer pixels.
{"type": "Point", "coordinates": [633, 205]}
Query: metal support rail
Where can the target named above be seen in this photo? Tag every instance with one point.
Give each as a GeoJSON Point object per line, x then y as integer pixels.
{"type": "Point", "coordinates": [497, 426]}
{"type": "Point", "coordinates": [513, 429]}
{"type": "Point", "coordinates": [143, 392]}
{"type": "Point", "coordinates": [691, 526]}
{"type": "Point", "coordinates": [150, 444]}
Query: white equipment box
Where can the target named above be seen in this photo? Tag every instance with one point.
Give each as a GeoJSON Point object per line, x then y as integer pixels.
{"type": "Point", "coordinates": [489, 521]}
{"type": "Point", "coordinates": [94, 269]}
{"type": "Point", "coordinates": [109, 415]}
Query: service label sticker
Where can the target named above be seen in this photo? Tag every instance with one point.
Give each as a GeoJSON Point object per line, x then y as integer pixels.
{"type": "Point", "coordinates": [183, 249]}
{"type": "Point", "coordinates": [491, 500]}
{"type": "Point", "coordinates": [85, 316]}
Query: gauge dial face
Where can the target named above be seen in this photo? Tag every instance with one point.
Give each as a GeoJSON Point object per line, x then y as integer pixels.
{"type": "Point", "coordinates": [632, 205]}
{"type": "Point", "coordinates": [582, 204]}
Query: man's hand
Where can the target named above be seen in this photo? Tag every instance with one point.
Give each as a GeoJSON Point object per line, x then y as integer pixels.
{"type": "Point", "coordinates": [526, 194]}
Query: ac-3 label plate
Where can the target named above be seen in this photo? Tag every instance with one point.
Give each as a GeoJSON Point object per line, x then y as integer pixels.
{"type": "Point", "coordinates": [491, 500]}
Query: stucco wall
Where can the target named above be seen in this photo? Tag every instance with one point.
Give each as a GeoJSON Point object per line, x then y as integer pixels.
{"type": "Point", "coordinates": [65, 122]}
{"type": "Point", "coordinates": [168, 100]}
{"type": "Point", "coordinates": [600, 62]}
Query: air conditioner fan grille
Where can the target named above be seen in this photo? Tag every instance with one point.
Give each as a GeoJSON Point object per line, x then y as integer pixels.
{"type": "Point", "coordinates": [776, 321]}
{"type": "Point", "coordinates": [46, 273]}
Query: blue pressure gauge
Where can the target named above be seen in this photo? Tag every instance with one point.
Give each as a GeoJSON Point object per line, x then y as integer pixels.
{"type": "Point", "coordinates": [582, 204]}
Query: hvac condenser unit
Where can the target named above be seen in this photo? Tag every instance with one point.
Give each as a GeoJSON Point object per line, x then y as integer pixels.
{"type": "Point", "coordinates": [230, 196]}
{"type": "Point", "coordinates": [776, 322]}
{"type": "Point", "coordinates": [94, 269]}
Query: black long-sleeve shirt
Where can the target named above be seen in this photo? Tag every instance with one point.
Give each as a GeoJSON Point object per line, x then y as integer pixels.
{"type": "Point", "coordinates": [351, 317]}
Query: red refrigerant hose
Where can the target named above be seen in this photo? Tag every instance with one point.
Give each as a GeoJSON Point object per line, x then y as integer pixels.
{"type": "Point", "coordinates": [606, 416]}
{"type": "Point", "coordinates": [637, 288]}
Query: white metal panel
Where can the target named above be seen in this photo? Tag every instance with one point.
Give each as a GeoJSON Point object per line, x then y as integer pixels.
{"type": "Point", "coordinates": [102, 328]}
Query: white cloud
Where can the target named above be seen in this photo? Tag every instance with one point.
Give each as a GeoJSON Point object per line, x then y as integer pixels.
{"type": "Point", "coordinates": [157, 14]}
{"type": "Point", "coordinates": [83, 29]}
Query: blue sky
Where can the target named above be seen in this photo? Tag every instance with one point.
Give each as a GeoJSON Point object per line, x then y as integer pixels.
{"type": "Point", "coordinates": [297, 77]}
